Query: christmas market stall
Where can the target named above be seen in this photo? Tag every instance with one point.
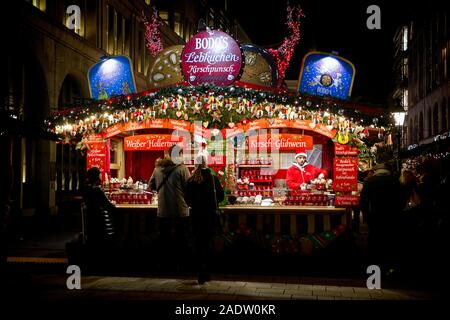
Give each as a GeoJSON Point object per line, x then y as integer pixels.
{"type": "Point", "coordinates": [228, 102]}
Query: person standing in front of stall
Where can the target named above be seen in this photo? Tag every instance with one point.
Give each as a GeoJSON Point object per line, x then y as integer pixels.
{"type": "Point", "coordinates": [100, 222]}
{"type": "Point", "coordinates": [301, 172]}
{"type": "Point", "coordinates": [204, 193]}
{"type": "Point", "coordinates": [381, 203]}
{"type": "Point", "coordinates": [169, 179]}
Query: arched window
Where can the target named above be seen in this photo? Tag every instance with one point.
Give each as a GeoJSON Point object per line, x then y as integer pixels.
{"type": "Point", "coordinates": [70, 92]}
{"type": "Point", "coordinates": [435, 119]}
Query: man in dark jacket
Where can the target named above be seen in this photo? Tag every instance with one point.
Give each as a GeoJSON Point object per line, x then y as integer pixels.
{"type": "Point", "coordinates": [169, 179]}
{"type": "Point", "coordinates": [381, 203]}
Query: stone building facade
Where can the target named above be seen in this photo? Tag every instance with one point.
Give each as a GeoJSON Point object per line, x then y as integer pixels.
{"type": "Point", "coordinates": [47, 63]}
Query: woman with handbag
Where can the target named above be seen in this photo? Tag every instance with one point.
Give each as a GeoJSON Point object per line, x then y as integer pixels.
{"type": "Point", "coordinates": [204, 193]}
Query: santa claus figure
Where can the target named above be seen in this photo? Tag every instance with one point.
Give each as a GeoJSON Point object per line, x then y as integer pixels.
{"type": "Point", "coordinates": [301, 172]}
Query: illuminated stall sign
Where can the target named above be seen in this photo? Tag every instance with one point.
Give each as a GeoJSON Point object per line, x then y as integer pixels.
{"type": "Point", "coordinates": [346, 200]}
{"type": "Point", "coordinates": [98, 154]}
{"type": "Point", "coordinates": [211, 57]}
{"type": "Point", "coordinates": [150, 142]}
{"type": "Point", "coordinates": [280, 142]}
{"type": "Point", "coordinates": [345, 150]}
{"type": "Point", "coordinates": [110, 77]}
{"type": "Point", "coordinates": [323, 74]}
{"type": "Point", "coordinates": [346, 174]}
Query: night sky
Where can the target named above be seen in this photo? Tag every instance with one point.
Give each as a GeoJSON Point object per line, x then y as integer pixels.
{"type": "Point", "coordinates": [336, 26]}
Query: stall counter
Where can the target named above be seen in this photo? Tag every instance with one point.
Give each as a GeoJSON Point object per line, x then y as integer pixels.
{"type": "Point", "coordinates": [242, 211]}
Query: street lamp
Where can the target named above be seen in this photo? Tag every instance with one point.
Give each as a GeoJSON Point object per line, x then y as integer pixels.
{"type": "Point", "coordinates": [399, 117]}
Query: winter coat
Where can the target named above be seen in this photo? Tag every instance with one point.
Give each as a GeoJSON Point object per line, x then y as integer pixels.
{"type": "Point", "coordinates": [200, 197]}
{"type": "Point", "coordinates": [171, 201]}
{"type": "Point", "coordinates": [382, 202]}
{"type": "Point", "coordinates": [296, 175]}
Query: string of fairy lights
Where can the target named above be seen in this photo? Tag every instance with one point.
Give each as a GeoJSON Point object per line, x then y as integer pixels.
{"type": "Point", "coordinates": [215, 107]}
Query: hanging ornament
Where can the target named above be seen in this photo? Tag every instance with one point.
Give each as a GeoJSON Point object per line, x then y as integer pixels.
{"type": "Point", "coordinates": [215, 131]}
{"type": "Point", "coordinates": [259, 114]}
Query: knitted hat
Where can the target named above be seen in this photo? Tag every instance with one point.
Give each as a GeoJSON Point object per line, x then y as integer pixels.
{"type": "Point", "coordinates": [300, 152]}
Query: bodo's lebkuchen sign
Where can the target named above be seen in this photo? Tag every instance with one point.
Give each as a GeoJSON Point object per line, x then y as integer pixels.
{"type": "Point", "coordinates": [211, 57]}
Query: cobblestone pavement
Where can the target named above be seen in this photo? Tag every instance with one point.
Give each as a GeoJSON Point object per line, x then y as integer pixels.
{"type": "Point", "coordinates": [221, 288]}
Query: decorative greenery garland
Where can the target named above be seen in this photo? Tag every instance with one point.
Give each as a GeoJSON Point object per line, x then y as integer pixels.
{"type": "Point", "coordinates": [215, 107]}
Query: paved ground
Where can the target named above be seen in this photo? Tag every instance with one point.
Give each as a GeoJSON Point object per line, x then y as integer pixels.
{"type": "Point", "coordinates": [38, 263]}
{"type": "Point", "coordinates": [222, 287]}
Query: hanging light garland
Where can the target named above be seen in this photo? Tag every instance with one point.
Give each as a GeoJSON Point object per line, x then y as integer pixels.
{"type": "Point", "coordinates": [215, 107]}
{"type": "Point", "coordinates": [152, 35]}
{"type": "Point", "coordinates": [284, 53]}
